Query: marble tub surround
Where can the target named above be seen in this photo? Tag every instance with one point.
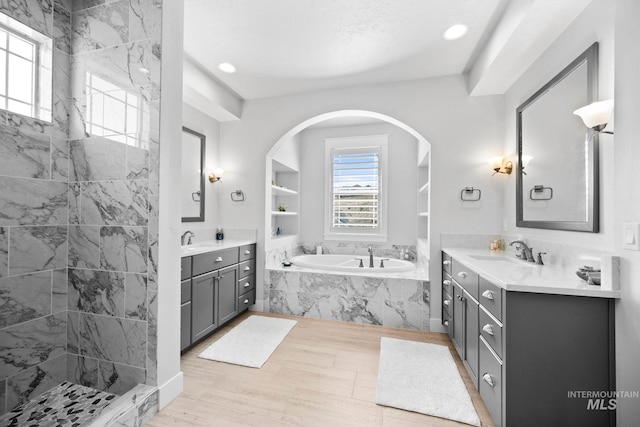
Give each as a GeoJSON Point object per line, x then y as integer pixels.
{"type": "Point", "coordinates": [402, 303]}
{"type": "Point", "coordinates": [521, 276]}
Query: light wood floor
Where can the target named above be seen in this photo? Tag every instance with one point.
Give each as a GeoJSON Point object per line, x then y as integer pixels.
{"type": "Point", "coordinates": [323, 374]}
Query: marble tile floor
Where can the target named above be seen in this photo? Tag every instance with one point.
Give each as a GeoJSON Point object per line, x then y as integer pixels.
{"type": "Point", "coordinates": [323, 374]}
{"type": "Point", "coordinates": [67, 404]}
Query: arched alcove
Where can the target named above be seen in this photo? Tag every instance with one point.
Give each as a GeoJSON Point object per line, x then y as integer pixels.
{"type": "Point", "coordinates": [287, 175]}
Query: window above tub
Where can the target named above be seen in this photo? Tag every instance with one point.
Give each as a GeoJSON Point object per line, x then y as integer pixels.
{"type": "Point", "coordinates": [25, 70]}
{"type": "Point", "coordinates": [356, 188]}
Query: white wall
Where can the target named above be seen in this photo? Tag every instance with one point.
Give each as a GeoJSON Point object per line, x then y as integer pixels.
{"type": "Point", "coordinates": [626, 202]}
{"type": "Point", "coordinates": [402, 181]}
{"type": "Point", "coordinates": [200, 122]}
{"type": "Point", "coordinates": [602, 21]}
{"type": "Point", "coordinates": [464, 133]}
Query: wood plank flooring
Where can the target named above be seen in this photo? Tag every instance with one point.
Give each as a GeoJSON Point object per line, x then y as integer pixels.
{"type": "Point", "coordinates": [323, 374]}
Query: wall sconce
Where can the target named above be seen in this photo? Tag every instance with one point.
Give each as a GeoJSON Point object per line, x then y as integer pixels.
{"type": "Point", "coordinates": [216, 175]}
{"type": "Point", "coordinates": [499, 166]}
{"type": "Point", "coordinates": [596, 115]}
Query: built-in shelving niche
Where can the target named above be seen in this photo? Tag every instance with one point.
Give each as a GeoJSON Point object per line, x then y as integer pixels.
{"type": "Point", "coordinates": [285, 183]}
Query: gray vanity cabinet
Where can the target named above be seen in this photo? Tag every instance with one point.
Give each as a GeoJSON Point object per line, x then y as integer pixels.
{"type": "Point", "coordinates": [227, 294]}
{"type": "Point", "coordinates": [204, 317]}
{"type": "Point", "coordinates": [216, 287]}
{"type": "Point", "coordinates": [531, 350]}
{"type": "Point", "coordinates": [463, 329]}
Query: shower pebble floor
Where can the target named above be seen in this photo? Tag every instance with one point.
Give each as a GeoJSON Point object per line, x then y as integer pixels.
{"type": "Point", "coordinates": [65, 405]}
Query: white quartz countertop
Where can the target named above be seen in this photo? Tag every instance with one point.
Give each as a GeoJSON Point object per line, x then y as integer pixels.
{"type": "Point", "coordinates": [511, 274]}
{"type": "Point", "coordinates": [212, 245]}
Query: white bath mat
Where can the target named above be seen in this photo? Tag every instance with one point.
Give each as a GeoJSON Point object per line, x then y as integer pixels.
{"type": "Point", "coordinates": [422, 377]}
{"type": "Point", "coordinates": [251, 342]}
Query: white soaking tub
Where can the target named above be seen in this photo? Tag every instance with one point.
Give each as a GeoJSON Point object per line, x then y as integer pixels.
{"type": "Point", "coordinates": [351, 263]}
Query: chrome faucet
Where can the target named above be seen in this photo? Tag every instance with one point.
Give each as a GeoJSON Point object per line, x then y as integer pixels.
{"type": "Point", "coordinates": [370, 257]}
{"type": "Point", "coordinates": [186, 236]}
{"type": "Point", "coordinates": [526, 253]}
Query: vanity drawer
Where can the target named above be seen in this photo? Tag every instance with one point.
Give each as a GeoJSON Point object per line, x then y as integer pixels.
{"type": "Point", "coordinates": [447, 304]}
{"type": "Point", "coordinates": [446, 262]}
{"type": "Point", "coordinates": [490, 382]}
{"type": "Point", "coordinates": [246, 284]}
{"type": "Point", "coordinates": [491, 331]}
{"type": "Point", "coordinates": [185, 291]}
{"type": "Point", "coordinates": [491, 297]}
{"type": "Point", "coordinates": [447, 283]}
{"type": "Point", "coordinates": [247, 300]}
{"type": "Point", "coordinates": [446, 322]}
{"type": "Point", "coordinates": [185, 268]}
{"type": "Point", "coordinates": [247, 252]}
{"type": "Point", "coordinates": [210, 261]}
{"type": "Point", "coordinates": [246, 268]}
{"type": "Point", "coordinates": [466, 277]}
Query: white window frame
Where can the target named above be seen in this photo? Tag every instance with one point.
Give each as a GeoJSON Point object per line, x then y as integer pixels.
{"type": "Point", "coordinates": [42, 69]}
{"type": "Point", "coordinates": [379, 143]}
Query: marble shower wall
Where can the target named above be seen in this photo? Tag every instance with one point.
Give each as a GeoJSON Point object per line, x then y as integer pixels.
{"type": "Point", "coordinates": [78, 205]}
{"type": "Point", "coordinates": [34, 211]}
{"type": "Point", "coordinates": [399, 303]}
{"type": "Point", "coordinates": [113, 196]}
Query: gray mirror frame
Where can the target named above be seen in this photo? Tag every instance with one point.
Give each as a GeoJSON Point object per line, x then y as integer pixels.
{"type": "Point", "coordinates": [202, 192]}
{"type": "Point", "coordinates": [590, 56]}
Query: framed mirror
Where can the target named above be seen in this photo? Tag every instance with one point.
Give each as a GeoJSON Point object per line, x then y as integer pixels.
{"type": "Point", "coordinates": [557, 173]}
{"type": "Point", "coordinates": [192, 185]}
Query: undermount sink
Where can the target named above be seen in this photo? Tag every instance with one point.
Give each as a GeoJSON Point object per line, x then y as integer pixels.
{"type": "Point", "coordinates": [499, 259]}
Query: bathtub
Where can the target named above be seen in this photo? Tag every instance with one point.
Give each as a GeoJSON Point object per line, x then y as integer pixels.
{"type": "Point", "coordinates": [351, 263]}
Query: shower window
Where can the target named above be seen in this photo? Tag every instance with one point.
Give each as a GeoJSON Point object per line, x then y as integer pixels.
{"type": "Point", "coordinates": [356, 196]}
{"type": "Point", "coordinates": [25, 70]}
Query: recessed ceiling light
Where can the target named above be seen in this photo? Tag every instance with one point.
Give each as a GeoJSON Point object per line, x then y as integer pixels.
{"type": "Point", "coordinates": [454, 32]}
{"type": "Point", "coordinates": [227, 68]}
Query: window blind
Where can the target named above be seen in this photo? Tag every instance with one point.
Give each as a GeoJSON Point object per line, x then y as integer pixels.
{"type": "Point", "coordinates": [356, 189]}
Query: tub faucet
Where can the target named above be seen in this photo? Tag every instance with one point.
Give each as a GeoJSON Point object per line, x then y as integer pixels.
{"type": "Point", "coordinates": [186, 237]}
{"type": "Point", "coordinates": [370, 257]}
{"type": "Point", "coordinates": [526, 252]}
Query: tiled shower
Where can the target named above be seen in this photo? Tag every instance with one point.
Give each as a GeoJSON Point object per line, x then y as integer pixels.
{"type": "Point", "coordinates": [78, 205]}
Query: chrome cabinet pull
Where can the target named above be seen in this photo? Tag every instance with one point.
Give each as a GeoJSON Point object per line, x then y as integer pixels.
{"type": "Point", "coordinates": [488, 379]}
{"type": "Point", "coordinates": [446, 282]}
{"type": "Point", "coordinates": [446, 323]}
{"type": "Point", "coordinates": [247, 268]}
{"type": "Point", "coordinates": [447, 262]}
{"type": "Point", "coordinates": [446, 302]}
{"type": "Point", "coordinates": [488, 294]}
{"type": "Point", "coordinates": [247, 252]}
{"type": "Point", "coordinates": [219, 259]}
{"type": "Point", "coordinates": [462, 274]}
{"type": "Point", "coordinates": [246, 301]}
{"type": "Point", "coordinates": [488, 329]}
{"type": "Point", "coordinates": [246, 285]}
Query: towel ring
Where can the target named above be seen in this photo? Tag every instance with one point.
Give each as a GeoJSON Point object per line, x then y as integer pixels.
{"type": "Point", "coordinates": [540, 189]}
{"type": "Point", "coordinates": [470, 194]}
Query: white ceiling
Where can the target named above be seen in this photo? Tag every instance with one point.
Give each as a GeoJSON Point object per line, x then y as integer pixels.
{"type": "Point", "coordinates": [282, 47]}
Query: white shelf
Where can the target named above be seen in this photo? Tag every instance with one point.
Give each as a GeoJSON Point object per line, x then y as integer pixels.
{"type": "Point", "coordinates": [286, 213]}
{"type": "Point", "coordinates": [281, 191]}
{"type": "Point", "coordinates": [424, 189]}
{"type": "Point", "coordinates": [423, 214]}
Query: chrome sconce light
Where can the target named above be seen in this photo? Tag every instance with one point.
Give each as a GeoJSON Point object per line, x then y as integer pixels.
{"type": "Point", "coordinates": [596, 115]}
{"type": "Point", "coordinates": [216, 175]}
{"type": "Point", "coordinates": [500, 166]}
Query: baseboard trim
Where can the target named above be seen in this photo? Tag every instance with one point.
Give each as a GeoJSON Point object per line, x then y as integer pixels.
{"type": "Point", "coordinates": [258, 306]}
{"type": "Point", "coordinates": [170, 390]}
